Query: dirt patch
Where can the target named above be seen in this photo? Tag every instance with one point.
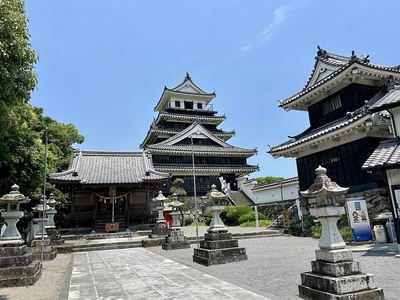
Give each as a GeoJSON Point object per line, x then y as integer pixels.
{"type": "Point", "coordinates": [49, 285]}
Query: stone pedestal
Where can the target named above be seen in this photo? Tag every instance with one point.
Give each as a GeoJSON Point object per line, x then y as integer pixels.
{"type": "Point", "coordinates": [159, 230]}
{"type": "Point", "coordinates": [218, 248]}
{"type": "Point", "coordinates": [17, 267]}
{"type": "Point", "coordinates": [48, 251]}
{"type": "Point", "coordinates": [336, 276]}
{"type": "Point", "coordinates": [54, 236]}
{"type": "Point", "coordinates": [175, 240]}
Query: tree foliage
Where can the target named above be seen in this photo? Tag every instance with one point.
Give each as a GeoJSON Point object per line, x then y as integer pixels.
{"type": "Point", "coordinates": [22, 126]}
{"type": "Point", "coordinates": [267, 179]}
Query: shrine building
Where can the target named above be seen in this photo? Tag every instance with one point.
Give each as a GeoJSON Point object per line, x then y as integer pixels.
{"type": "Point", "coordinates": [109, 188]}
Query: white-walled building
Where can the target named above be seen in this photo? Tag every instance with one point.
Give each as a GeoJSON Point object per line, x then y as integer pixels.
{"type": "Point", "coordinates": [278, 191]}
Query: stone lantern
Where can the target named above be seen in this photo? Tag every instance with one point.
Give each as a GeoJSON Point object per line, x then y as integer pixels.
{"type": "Point", "coordinates": [334, 273]}
{"type": "Point", "coordinates": [218, 246]}
{"type": "Point", "coordinates": [326, 200]}
{"type": "Point", "coordinates": [42, 218]}
{"type": "Point", "coordinates": [175, 238]}
{"type": "Point", "coordinates": [160, 206]}
{"type": "Point", "coordinates": [52, 211]}
{"type": "Point", "coordinates": [175, 204]}
{"type": "Point", "coordinates": [11, 235]}
{"type": "Point", "coordinates": [161, 228]}
{"type": "Point", "coordinates": [217, 202]}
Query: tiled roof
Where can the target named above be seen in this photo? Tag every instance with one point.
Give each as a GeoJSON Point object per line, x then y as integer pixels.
{"type": "Point", "coordinates": [201, 150]}
{"type": "Point", "coordinates": [222, 168]}
{"type": "Point", "coordinates": [386, 156]}
{"type": "Point", "coordinates": [188, 117]}
{"type": "Point", "coordinates": [101, 167]}
{"type": "Point", "coordinates": [309, 135]}
{"type": "Point", "coordinates": [389, 100]}
{"type": "Point", "coordinates": [344, 64]}
{"type": "Point", "coordinates": [172, 145]}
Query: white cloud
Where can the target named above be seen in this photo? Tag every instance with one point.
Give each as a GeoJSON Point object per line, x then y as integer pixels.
{"type": "Point", "coordinates": [279, 17]}
{"type": "Point", "coordinates": [246, 48]}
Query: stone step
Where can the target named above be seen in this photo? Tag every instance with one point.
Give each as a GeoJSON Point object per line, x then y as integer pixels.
{"type": "Point", "coordinates": [105, 246]}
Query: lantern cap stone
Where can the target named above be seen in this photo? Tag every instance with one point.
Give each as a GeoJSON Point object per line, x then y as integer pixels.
{"type": "Point", "coordinates": [160, 197]}
{"type": "Point", "coordinates": [40, 208]}
{"type": "Point", "coordinates": [14, 196]}
{"type": "Point", "coordinates": [323, 185]}
{"type": "Point", "coordinates": [214, 193]}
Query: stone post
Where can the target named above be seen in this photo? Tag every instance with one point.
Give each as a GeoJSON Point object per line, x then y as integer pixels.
{"type": "Point", "coordinates": [334, 273]}
{"type": "Point", "coordinates": [218, 246]}
{"type": "Point", "coordinates": [175, 238]}
{"type": "Point", "coordinates": [161, 228]}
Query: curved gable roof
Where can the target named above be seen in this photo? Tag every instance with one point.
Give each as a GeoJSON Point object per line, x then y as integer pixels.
{"type": "Point", "coordinates": [196, 130]}
{"type": "Point", "coordinates": [331, 69]}
{"type": "Point", "coordinates": [185, 88]}
{"type": "Point", "coordinates": [104, 167]}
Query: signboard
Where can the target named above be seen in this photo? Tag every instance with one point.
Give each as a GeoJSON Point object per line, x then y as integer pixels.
{"type": "Point", "coordinates": [285, 218]}
{"type": "Point", "coordinates": [359, 220]}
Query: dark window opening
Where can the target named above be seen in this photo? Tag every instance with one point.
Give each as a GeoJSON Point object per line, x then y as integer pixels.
{"type": "Point", "coordinates": [189, 104]}
{"type": "Point", "coordinates": [331, 104]}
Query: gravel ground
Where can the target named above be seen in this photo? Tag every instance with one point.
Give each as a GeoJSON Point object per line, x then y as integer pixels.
{"type": "Point", "coordinates": [274, 265]}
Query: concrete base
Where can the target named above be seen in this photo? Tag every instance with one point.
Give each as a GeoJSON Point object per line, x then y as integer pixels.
{"type": "Point", "coordinates": [175, 240]}
{"type": "Point", "coordinates": [54, 236]}
{"type": "Point", "coordinates": [309, 293]}
{"type": "Point", "coordinates": [336, 276]}
{"type": "Point", "coordinates": [48, 250]}
{"type": "Point", "coordinates": [160, 230]}
{"type": "Point", "coordinates": [17, 267]}
{"type": "Point", "coordinates": [218, 248]}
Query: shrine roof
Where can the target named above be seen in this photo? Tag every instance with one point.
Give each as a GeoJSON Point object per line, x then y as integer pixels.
{"type": "Point", "coordinates": [385, 156]}
{"type": "Point", "coordinates": [104, 167]}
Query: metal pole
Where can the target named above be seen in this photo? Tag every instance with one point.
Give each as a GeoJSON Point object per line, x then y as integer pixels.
{"type": "Point", "coordinates": [44, 198]}
{"type": "Point", "coordinates": [195, 195]}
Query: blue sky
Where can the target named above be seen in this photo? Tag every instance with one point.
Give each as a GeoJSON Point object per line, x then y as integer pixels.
{"type": "Point", "coordinates": [103, 64]}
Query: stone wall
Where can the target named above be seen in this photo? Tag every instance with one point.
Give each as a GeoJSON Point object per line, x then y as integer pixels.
{"type": "Point", "coordinates": [378, 201]}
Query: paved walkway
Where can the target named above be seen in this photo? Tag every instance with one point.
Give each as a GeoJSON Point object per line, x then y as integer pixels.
{"type": "Point", "coordinates": [272, 271]}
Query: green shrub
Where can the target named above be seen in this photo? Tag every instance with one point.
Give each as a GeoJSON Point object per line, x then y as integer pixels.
{"type": "Point", "coordinates": [346, 234]}
{"type": "Point", "coordinates": [296, 229]}
{"type": "Point", "coordinates": [251, 216]}
{"type": "Point", "coordinates": [261, 223]}
{"type": "Point", "coordinates": [315, 231]}
{"type": "Point", "coordinates": [207, 218]}
{"type": "Point", "coordinates": [234, 213]}
{"type": "Point", "coordinates": [188, 221]}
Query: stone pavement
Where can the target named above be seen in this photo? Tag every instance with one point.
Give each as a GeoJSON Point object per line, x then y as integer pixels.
{"type": "Point", "coordinates": [272, 271]}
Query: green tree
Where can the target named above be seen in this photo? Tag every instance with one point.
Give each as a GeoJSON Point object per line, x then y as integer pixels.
{"type": "Point", "coordinates": [22, 126]}
{"type": "Point", "coordinates": [267, 179]}
{"type": "Point", "coordinates": [180, 192]}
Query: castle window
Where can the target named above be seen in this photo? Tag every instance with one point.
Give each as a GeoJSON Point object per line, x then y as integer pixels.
{"type": "Point", "coordinates": [331, 104]}
{"type": "Point", "coordinates": [199, 105]}
{"type": "Point", "coordinates": [329, 157]}
{"type": "Point", "coordinates": [177, 103]}
{"type": "Point", "coordinates": [189, 104]}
